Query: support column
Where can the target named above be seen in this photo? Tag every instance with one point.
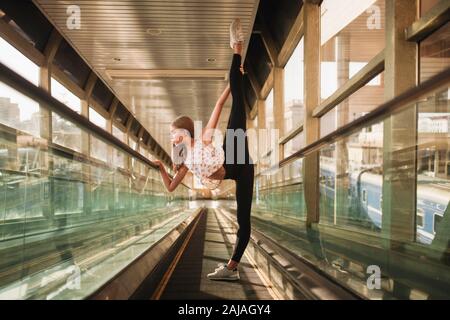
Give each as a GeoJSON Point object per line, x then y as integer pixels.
{"type": "Point", "coordinates": [399, 133]}
{"type": "Point", "coordinates": [312, 99]}
{"type": "Point", "coordinates": [46, 127]}
{"type": "Point", "coordinates": [399, 137]}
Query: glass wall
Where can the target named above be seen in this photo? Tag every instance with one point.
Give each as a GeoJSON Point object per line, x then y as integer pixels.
{"type": "Point", "coordinates": [433, 138]}
{"type": "Point", "coordinates": [353, 232]}
{"type": "Point", "coordinates": [80, 221]}
{"type": "Point", "coordinates": [18, 111]}
{"type": "Point", "coordinates": [294, 98]}
{"type": "Point", "coordinates": [293, 89]}
{"type": "Point", "coordinates": [15, 60]}
{"type": "Point", "coordinates": [352, 33]}
{"type": "Point", "coordinates": [434, 53]}
{"type": "Point", "coordinates": [356, 105]}
{"type": "Point", "coordinates": [64, 95]}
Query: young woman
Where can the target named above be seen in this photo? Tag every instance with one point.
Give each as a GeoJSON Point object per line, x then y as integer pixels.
{"type": "Point", "coordinates": [216, 164]}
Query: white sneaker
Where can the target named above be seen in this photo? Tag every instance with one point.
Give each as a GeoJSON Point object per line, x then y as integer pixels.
{"type": "Point", "coordinates": [220, 264]}
{"type": "Point", "coordinates": [223, 273]}
{"type": "Point", "coordinates": [236, 33]}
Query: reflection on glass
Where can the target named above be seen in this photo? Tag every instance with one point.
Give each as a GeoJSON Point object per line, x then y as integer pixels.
{"type": "Point", "coordinates": [279, 193]}
{"type": "Point", "coordinates": [75, 215]}
{"type": "Point", "coordinates": [433, 165]}
{"type": "Point", "coordinates": [64, 95]}
{"type": "Point", "coordinates": [15, 60]}
{"type": "Point", "coordinates": [18, 111]}
{"type": "Point", "coordinates": [354, 230]}
{"type": "Point", "coordinates": [99, 149]}
{"type": "Point", "coordinates": [118, 158]}
{"type": "Point", "coordinates": [351, 180]}
{"type": "Point", "coordinates": [352, 33]}
{"type": "Point", "coordinates": [435, 53]}
{"type": "Point", "coordinates": [356, 105]}
{"type": "Point", "coordinates": [65, 133]}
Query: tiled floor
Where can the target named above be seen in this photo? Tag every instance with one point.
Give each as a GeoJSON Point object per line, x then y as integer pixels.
{"type": "Point", "coordinates": [209, 245]}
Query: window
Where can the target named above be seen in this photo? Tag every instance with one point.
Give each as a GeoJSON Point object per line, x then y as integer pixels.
{"type": "Point", "coordinates": [364, 196]}
{"type": "Point", "coordinates": [96, 118]}
{"type": "Point", "coordinates": [435, 53]}
{"type": "Point", "coordinates": [16, 61]}
{"type": "Point", "coordinates": [352, 33]}
{"type": "Point", "coordinates": [437, 221]}
{"type": "Point", "coordinates": [356, 105]}
{"type": "Point", "coordinates": [65, 133]}
{"type": "Point", "coordinates": [64, 95]}
{"type": "Point", "coordinates": [293, 89]}
{"type": "Point", "coordinates": [99, 149]}
{"type": "Point", "coordinates": [18, 111]}
{"type": "Point", "coordinates": [294, 144]}
{"type": "Point", "coordinates": [119, 134]}
{"type": "Point", "coordinates": [420, 217]}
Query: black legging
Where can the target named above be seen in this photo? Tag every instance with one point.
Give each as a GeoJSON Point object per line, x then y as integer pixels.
{"type": "Point", "coordinates": [242, 172]}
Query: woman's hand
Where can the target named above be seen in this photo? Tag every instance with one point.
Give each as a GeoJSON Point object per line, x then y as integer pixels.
{"type": "Point", "coordinates": [158, 163]}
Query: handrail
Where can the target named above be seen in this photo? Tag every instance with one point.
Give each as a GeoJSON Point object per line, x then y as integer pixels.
{"type": "Point", "coordinates": [392, 105]}
{"type": "Point", "coordinates": [429, 23]}
{"type": "Point", "coordinates": [41, 96]}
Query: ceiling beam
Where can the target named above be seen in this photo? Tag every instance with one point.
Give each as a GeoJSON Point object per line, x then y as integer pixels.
{"type": "Point", "coordinates": [52, 46]}
{"type": "Point", "coordinates": [267, 39]}
{"type": "Point", "coordinates": [89, 87]}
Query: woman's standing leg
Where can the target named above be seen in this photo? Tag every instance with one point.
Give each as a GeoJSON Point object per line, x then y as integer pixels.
{"type": "Point", "coordinates": [244, 198]}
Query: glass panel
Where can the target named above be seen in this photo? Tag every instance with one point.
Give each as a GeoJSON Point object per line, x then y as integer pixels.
{"type": "Point", "coordinates": [356, 105]}
{"type": "Point", "coordinates": [435, 53]}
{"type": "Point", "coordinates": [352, 33]}
{"type": "Point", "coordinates": [99, 149]}
{"type": "Point", "coordinates": [293, 89]}
{"type": "Point", "coordinates": [366, 221]}
{"type": "Point", "coordinates": [294, 144]}
{"type": "Point", "coordinates": [64, 95]}
{"type": "Point", "coordinates": [118, 158]}
{"type": "Point", "coordinates": [68, 224]}
{"type": "Point", "coordinates": [79, 223]}
{"type": "Point", "coordinates": [96, 118]}
{"type": "Point", "coordinates": [18, 111]}
{"type": "Point", "coordinates": [15, 60]}
{"type": "Point", "coordinates": [119, 134]}
{"type": "Point", "coordinates": [433, 179]}
{"type": "Point", "coordinates": [65, 133]}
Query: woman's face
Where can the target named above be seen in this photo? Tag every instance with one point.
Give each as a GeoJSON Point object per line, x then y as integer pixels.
{"type": "Point", "coordinates": [177, 135]}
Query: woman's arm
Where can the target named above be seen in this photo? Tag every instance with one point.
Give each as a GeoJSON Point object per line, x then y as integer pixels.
{"type": "Point", "coordinates": [171, 184]}
{"type": "Point", "coordinates": [214, 119]}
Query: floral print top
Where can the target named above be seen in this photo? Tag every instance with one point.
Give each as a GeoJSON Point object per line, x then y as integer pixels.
{"type": "Point", "coordinates": [203, 160]}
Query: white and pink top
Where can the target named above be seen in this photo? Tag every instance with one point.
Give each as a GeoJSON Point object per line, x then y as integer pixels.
{"type": "Point", "coordinates": [203, 160]}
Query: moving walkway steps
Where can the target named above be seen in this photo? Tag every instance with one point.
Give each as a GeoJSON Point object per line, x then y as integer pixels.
{"type": "Point", "coordinates": [208, 244]}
